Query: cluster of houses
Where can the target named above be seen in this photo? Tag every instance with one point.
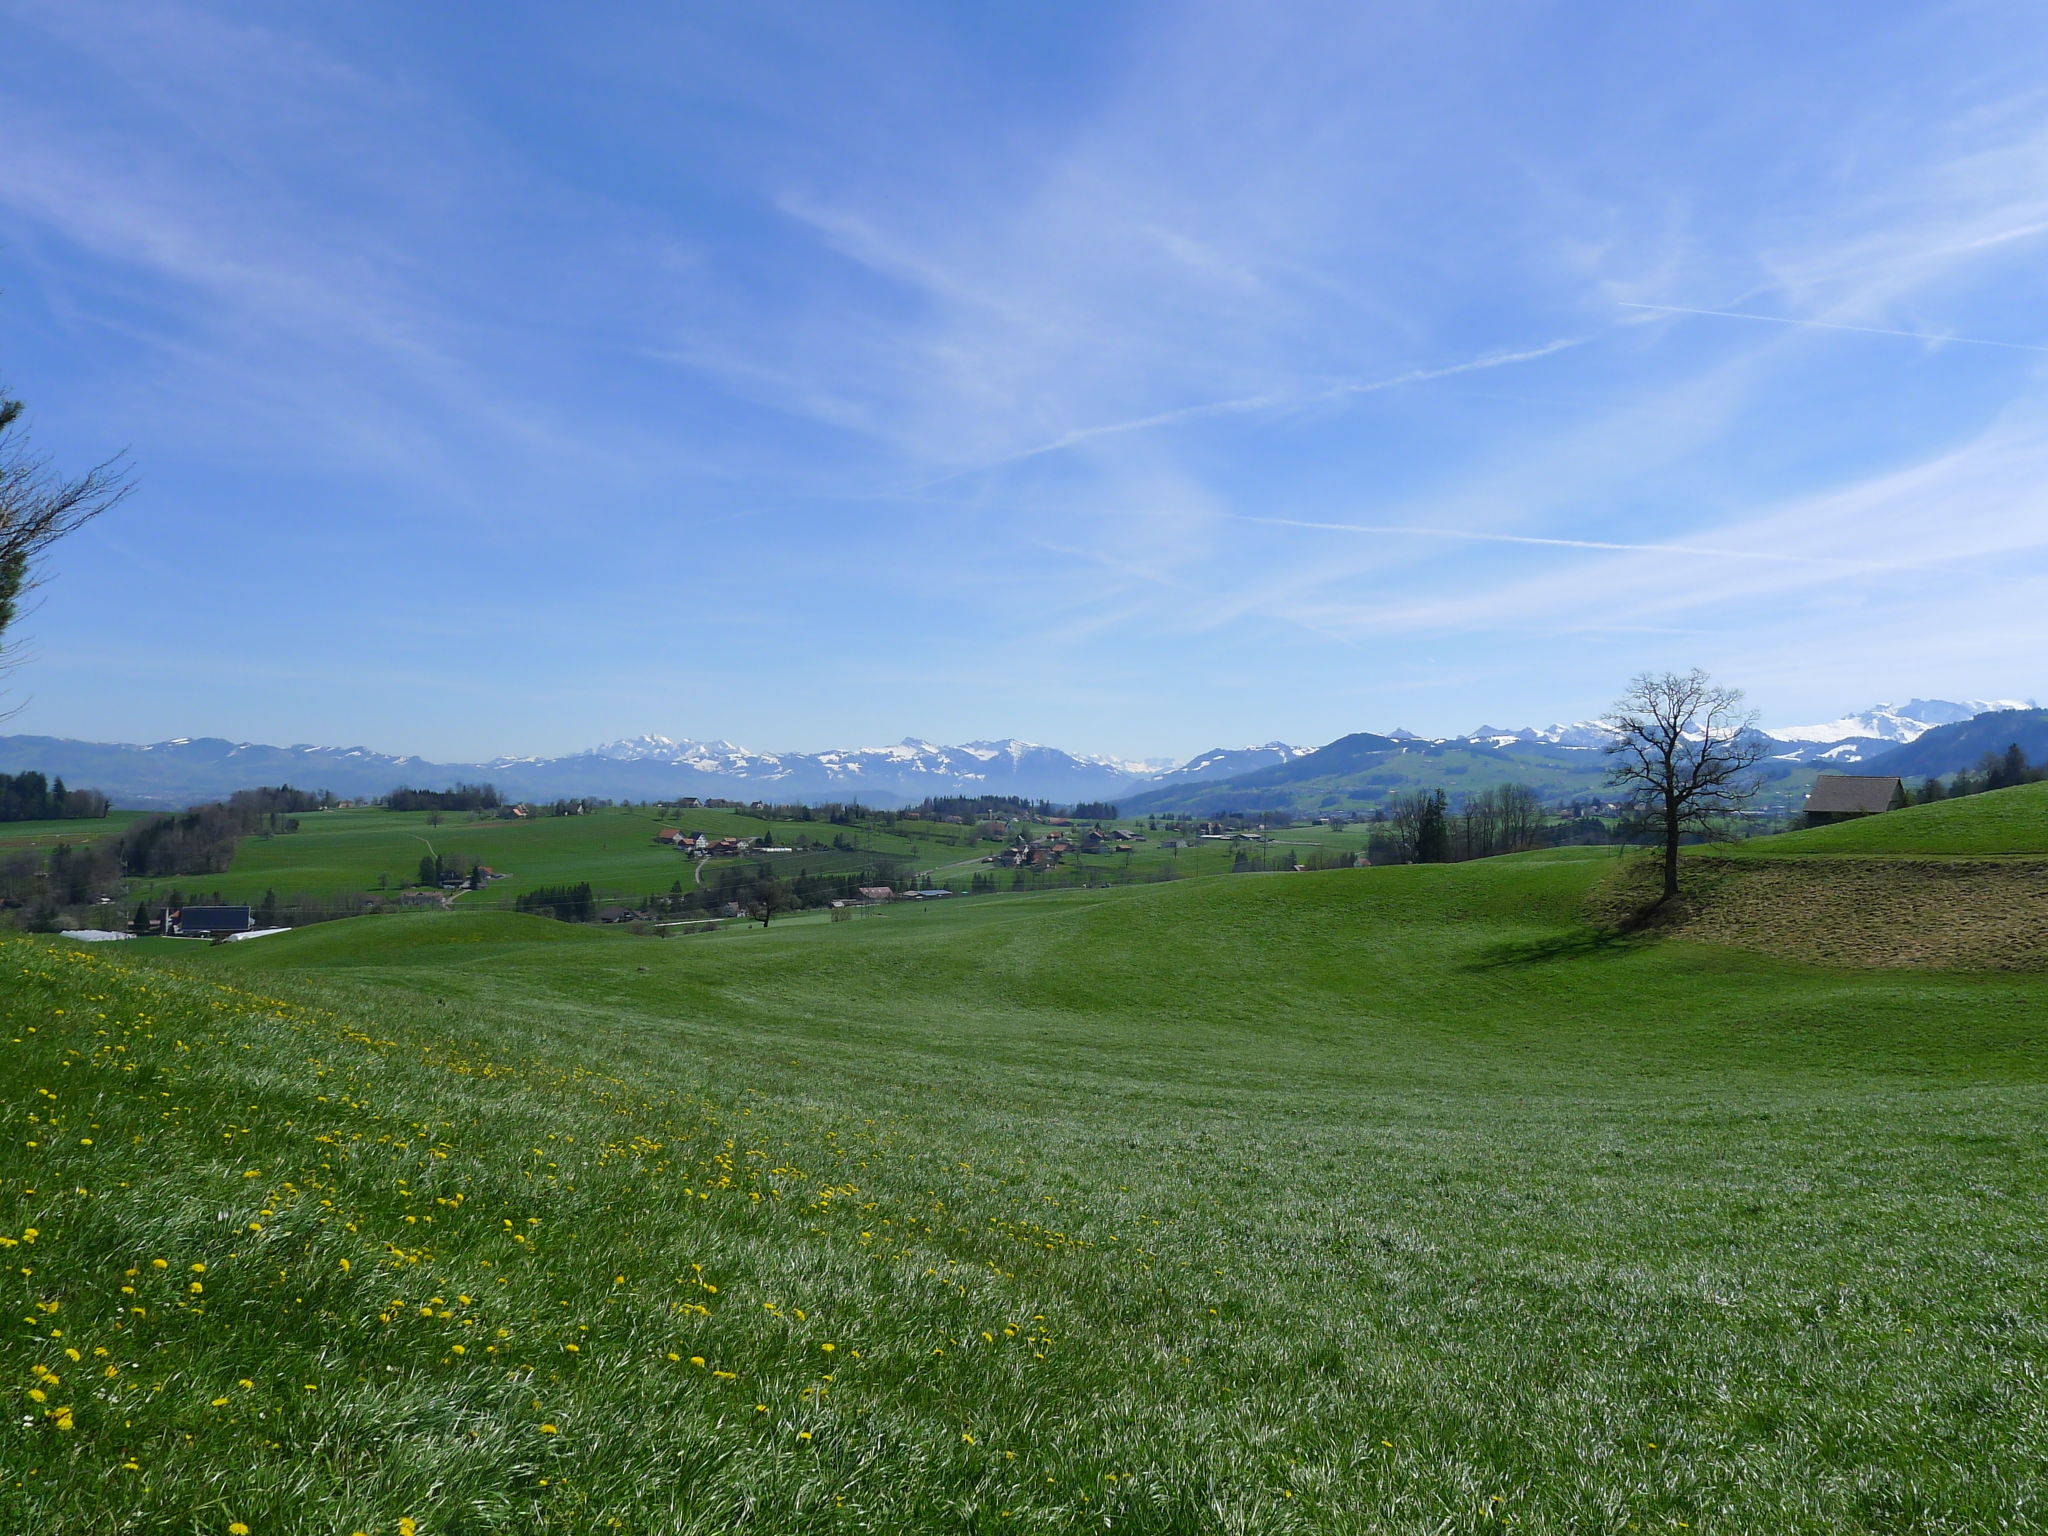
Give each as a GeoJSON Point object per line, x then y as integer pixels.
{"type": "Point", "coordinates": [1026, 852]}
{"type": "Point", "coordinates": [875, 895]}
{"type": "Point", "coordinates": [700, 846]}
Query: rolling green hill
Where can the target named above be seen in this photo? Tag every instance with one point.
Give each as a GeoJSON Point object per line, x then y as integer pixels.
{"type": "Point", "coordinates": [1390, 1200]}
{"type": "Point", "coordinates": [2001, 823]}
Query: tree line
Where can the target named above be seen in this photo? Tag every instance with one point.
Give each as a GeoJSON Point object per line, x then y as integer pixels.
{"type": "Point", "coordinates": [463, 797]}
{"type": "Point", "coordinates": [32, 797]}
{"type": "Point", "coordinates": [1423, 827]}
{"type": "Point", "coordinates": [1994, 770]}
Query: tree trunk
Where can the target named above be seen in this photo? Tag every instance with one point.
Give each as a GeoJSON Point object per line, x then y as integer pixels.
{"type": "Point", "coordinates": [1670, 857]}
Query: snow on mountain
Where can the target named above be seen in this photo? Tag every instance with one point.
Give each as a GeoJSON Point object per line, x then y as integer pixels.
{"type": "Point", "coordinates": [1896, 722]}
{"type": "Point", "coordinates": [1221, 763]}
{"type": "Point", "coordinates": [1579, 733]}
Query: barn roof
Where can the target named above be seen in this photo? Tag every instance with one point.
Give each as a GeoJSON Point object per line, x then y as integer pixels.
{"type": "Point", "coordinates": [214, 919]}
{"type": "Point", "coordinates": [1849, 794]}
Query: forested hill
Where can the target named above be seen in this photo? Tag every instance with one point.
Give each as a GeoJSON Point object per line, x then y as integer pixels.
{"type": "Point", "coordinates": [1952, 748]}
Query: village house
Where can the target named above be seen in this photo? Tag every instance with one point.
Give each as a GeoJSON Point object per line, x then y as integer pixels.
{"type": "Point", "coordinates": [877, 893]}
{"type": "Point", "coordinates": [1846, 796]}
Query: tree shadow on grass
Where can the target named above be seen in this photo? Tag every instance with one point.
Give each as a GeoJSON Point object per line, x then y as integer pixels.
{"type": "Point", "coordinates": [1574, 944]}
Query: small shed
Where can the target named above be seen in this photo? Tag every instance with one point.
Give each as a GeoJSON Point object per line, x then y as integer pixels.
{"type": "Point", "coordinates": [1845, 796]}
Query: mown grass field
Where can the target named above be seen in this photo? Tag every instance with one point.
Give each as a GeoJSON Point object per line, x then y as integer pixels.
{"type": "Point", "coordinates": [1377, 1200]}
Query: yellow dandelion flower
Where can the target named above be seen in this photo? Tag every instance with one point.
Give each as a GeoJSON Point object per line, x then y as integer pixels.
{"type": "Point", "coordinates": [236, 1528]}
{"type": "Point", "coordinates": [549, 1429]}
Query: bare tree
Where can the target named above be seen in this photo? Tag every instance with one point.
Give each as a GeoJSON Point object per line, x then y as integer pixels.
{"type": "Point", "coordinates": [1682, 749]}
{"type": "Point", "coordinates": [39, 507]}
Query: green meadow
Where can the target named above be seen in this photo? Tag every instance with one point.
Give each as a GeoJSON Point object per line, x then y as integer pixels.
{"type": "Point", "coordinates": [1379, 1200]}
{"type": "Point", "coordinates": [43, 835]}
{"type": "Point", "coordinates": [354, 850]}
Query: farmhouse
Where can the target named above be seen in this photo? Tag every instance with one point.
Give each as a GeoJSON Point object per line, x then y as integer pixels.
{"type": "Point", "coordinates": [206, 922]}
{"type": "Point", "coordinates": [1845, 796]}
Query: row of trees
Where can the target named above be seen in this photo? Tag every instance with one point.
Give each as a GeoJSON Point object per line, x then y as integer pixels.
{"type": "Point", "coordinates": [1421, 827]}
{"type": "Point", "coordinates": [463, 797]}
{"type": "Point", "coordinates": [32, 797]}
{"type": "Point", "coordinates": [570, 903]}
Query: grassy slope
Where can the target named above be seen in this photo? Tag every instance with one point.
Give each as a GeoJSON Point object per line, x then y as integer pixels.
{"type": "Point", "coordinates": [1376, 1200]}
{"type": "Point", "coordinates": [1958, 885]}
{"type": "Point", "coordinates": [2003, 822]}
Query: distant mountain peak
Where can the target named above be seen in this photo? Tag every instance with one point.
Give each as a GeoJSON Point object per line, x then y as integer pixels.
{"type": "Point", "coordinates": [1899, 723]}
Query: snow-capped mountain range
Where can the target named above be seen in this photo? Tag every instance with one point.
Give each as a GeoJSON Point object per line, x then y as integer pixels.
{"type": "Point", "coordinates": [187, 770]}
{"type": "Point", "coordinates": [1896, 723]}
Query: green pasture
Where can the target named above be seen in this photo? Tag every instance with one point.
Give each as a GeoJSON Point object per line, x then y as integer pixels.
{"type": "Point", "coordinates": [352, 850]}
{"type": "Point", "coordinates": [1392, 1200]}
{"type": "Point", "coordinates": [2005, 822]}
{"type": "Point", "coordinates": [15, 835]}
{"type": "Point", "coordinates": [615, 850]}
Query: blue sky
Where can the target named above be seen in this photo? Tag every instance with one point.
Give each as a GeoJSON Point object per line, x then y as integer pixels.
{"type": "Point", "coordinates": [1132, 378]}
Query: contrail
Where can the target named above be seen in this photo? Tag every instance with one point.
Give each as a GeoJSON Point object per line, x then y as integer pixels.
{"type": "Point", "coordinates": [1831, 325]}
{"type": "Point", "coordinates": [1255, 403]}
{"type": "Point", "coordinates": [1422, 375]}
{"type": "Point", "coordinates": [1469, 536]}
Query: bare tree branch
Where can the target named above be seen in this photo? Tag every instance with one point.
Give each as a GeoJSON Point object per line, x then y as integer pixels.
{"type": "Point", "coordinates": [38, 507]}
